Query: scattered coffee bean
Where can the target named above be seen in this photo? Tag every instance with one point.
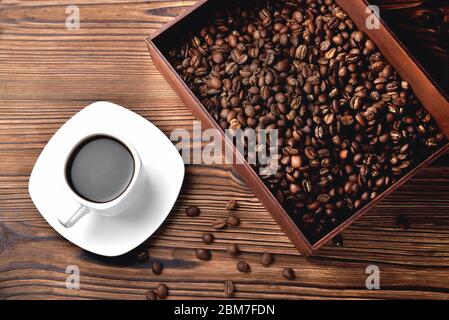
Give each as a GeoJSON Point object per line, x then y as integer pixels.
{"type": "Point", "coordinates": [208, 238]}
{"type": "Point", "coordinates": [229, 288]}
{"type": "Point", "coordinates": [233, 221]}
{"type": "Point", "coordinates": [232, 204]}
{"type": "Point", "coordinates": [203, 254]}
{"type": "Point", "coordinates": [157, 267]}
{"type": "Point", "coordinates": [220, 223]}
{"type": "Point", "coordinates": [193, 211]}
{"type": "Point", "coordinates": [162, 291]}
{"type": "Point", "coordinates": [142, 256]}
{"type": "Point", "coordinates": [288, 273]}
{"type": "Point", "coordinates": [350, 127]}
{"type": "Point", "coordinates": [243, 267]}
{"type": "Point", "coordinates": [151, 295]}
{"type": "Point", "coordinates": [233, 249]}
{"type": "Point", "coordinates": [267, 259]}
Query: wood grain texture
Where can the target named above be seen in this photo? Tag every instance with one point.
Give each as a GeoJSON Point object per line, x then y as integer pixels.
{"type": "Point", "coordinates": [48, 73]}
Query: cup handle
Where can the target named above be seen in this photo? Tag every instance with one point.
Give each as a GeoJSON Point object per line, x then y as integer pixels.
{"type": "Point", "coordinates": [69, 221]}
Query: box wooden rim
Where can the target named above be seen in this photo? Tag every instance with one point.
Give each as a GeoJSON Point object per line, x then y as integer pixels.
{"type": "Point", "coordinates": [352, 8]}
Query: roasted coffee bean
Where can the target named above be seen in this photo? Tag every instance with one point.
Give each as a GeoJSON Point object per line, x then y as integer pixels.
{"type": "Point", "coordinates": [231, 205]}
{"type": "Point", "coordinates": [267, 259]}
{"type": "Point", "coordinates": [325, 45]}
{"type": "Point", "coordinates": [233, 249]}
{"type": "Point", "coordinates": [193, 211]}
{"type": "Point", "coordinates": [313, 205]}
{"type": "Point", "coordinates": [310, 153]}
{"type": "Point", "coordinates": [301, 52]}
{"type": "Point", "coordinates": [324, 198]}
{"type": "Point", "coordinates": [431, 142]}
{"type": "Point", "coordinates": [343, 154]}
{"type": "Point", "coordinates": [220, 223]}
{"type": "Point", "coordinates": [288, 273]}
{"type": "Point", "coordinates": [203, 254]}
{"type": "Point", "coordinates": [243, 267]}
{"type": "Point", "coordinates": [214, 83]}
{"type": "Point", "coordinates": [298, 16]}
{"type": "Point", "coordinates": [296, 161]}
{"type": "Point", "coordinates": [217, 57]}
{"type": "Point", "coordinates": [208, 238]}
{"type": "Point", "coordinates": [157, 267]}
{"type": "Point", "coordinates": [349, 126]}
{"type": "Point", "coordinates": [151, 295]}
{"type": "Point", "coordinates": [347, 120]}
{"type": "Point", "coordinates": [162, 291]}
{"type": "Point", "coordinates": [358, 36]}
{"type": "Point", "coordinates": [233, 221]}
{"type": "Point", "coordinates": [282, 65]}
{"type": "Point", "coordinates": [229, 288]}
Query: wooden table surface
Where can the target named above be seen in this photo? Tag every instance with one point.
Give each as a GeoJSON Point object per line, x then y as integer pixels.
{"type": "Point", "coordinates": [48, 73]}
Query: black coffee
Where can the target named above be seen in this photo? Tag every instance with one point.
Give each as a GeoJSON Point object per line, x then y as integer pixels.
{"type": "Point", "coordinates": [100, 169]}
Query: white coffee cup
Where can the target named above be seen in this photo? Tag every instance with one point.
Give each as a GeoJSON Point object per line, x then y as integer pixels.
{"type": "Point", "coordinates": [110, 208]}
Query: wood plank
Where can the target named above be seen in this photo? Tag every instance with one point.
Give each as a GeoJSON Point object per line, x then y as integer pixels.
{"type": "Point", "coordinates": [48, 73]}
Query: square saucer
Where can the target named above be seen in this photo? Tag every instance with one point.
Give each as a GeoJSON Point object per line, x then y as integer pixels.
{"type": "Point", "coordinates": [161, 163]}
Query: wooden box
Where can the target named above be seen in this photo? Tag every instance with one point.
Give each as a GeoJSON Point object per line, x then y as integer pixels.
{"type": "Point", "coordinates": [395, 53]}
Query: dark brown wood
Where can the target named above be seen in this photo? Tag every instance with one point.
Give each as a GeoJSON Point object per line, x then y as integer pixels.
{"type": "Point", "coordinates": [160, 42]}
{"type": "Point", "coordinates": [48, 73]}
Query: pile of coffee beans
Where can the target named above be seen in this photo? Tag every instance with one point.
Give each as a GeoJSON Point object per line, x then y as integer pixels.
{"type": "Point", "coordinates": [349, 126]}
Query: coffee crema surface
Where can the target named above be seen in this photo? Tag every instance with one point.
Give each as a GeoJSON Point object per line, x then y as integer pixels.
{"type": "Point", "coordinates": [100, 169]}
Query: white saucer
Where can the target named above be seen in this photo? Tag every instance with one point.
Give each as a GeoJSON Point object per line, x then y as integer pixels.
{"type": "Point", "coordinates": [161, 162]}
